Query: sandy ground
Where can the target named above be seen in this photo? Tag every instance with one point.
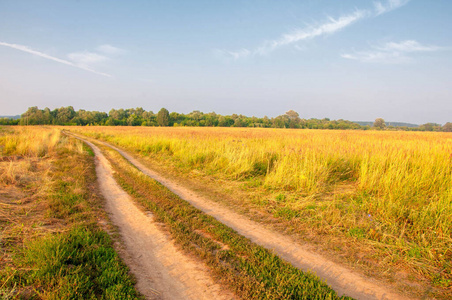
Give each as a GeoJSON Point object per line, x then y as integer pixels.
{"type": "Point", "coordinates": [162, 271]}
{"type": "Point", "coordinates": [343, 280]}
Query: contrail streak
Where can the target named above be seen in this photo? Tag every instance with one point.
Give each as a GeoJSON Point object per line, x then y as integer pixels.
{"type": "Point", "coordinates": [62, 61]}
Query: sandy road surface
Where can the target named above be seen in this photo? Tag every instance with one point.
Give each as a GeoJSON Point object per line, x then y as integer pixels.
{"type": "Point", "coordinates": [343, 280]}
{"type": "Point", "coordinates": [162, 271]}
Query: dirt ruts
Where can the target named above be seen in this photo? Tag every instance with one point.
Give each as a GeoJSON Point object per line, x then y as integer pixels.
{"type": "Point", "coordinates": [343, 280]}
{"type": "Point", "coordinates": [162, 271]}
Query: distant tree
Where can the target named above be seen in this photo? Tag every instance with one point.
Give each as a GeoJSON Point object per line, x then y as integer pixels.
{"type": "Point", "coordinates": [133, 120]}
{"type": "Point", "coordinates": [33, 116]}
{"type": "Point", "coordinates": [211, 119]}
{"type": "Point", "coordinates": [9, 121]}
{"type": "Point", "coordinates": [430, 127]}
{"type": "Point", "coordinates": [293, 115]}
{"type": "Point", "coordinates": [280, 121]}
{"type": "Point", "coordinates": [47, 116]}
{"type": "Point", "coordinates": [447, 127]}
{"type": "Point", "coordinates": [266, 122]}
{"type": "Point", "coordinates": [139, 111]}
{"type": "Point", "coordinates": [196, 115]}
{"type": "Point", "coordinates": [379, 123]}
{"type": "Point", "coordinates": [117, 116]}
{"type": "Point", "coordinates": [294, 119]}
{"type": "Point", "coordinates": [238, 123]}
{"type": "Point", "coordinates": [64, 114]}
{"type": "Point", "coordinates": [163, 117]}
{"type": "Point", "coordinates": [225, 121]}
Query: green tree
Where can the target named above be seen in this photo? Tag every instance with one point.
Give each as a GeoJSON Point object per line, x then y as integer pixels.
{"type": "Point", "coordinates": [379, 123]}
{"type": "Point", "coordinates": [33, 116]}
{"type": "Point", "coordinates": [163, 117]}
{"type": "Point", "coordinates": [430, 127]}
{"type": "Point", "coordinates": [447, 127]}
{"type": "Point", "coordinates": [64, 115]}
{"type": "Point", "coordinates": [133, 120]}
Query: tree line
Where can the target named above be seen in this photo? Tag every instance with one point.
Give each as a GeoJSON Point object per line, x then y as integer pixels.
{"type": "Point", "coordinates": [140, 117]}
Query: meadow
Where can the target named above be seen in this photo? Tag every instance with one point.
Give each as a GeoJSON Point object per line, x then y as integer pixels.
{"type": "Point", "coordinates": [51, 243]}
{"type": "Point", "coordinates": [247, 269]}
{"type": "Point", "coordinates": [379, 200]}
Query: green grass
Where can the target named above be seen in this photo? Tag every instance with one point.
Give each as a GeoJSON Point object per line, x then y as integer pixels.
{"type": "Point", "coordinates": [250, 270]}
{"type": "Point", "coordinates": [51, 244]}
{"type": "Point", "coordinates": [79, 264]}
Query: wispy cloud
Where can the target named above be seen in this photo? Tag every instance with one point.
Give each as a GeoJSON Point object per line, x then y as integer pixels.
{"type": "Point", "coordinates": [391, 52]}
{"type": "Point", "coordinates": [101, 54]}
{"type": "Point", "coordinates": [233, 54]}
{"type": "Point", "coordinates": [330, 26]}
{"type": "Point", "coordinates": [109, 50]}
{"type": "Point", "coordinates": [49, 57]}
{"type": "Point", "coordinates": [409, 46]}
{"type": "Point", "coordinates": [86, 58]}
{"type": "Point", "coordinates": [381, 8]}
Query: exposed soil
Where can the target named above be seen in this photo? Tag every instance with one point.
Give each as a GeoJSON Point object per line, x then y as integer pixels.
{"type": "Point", "coordinates": [162, 270]}
{"type": "Point", "coordinates": [342, 279]}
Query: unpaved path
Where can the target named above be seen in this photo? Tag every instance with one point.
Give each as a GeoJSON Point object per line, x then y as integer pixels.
{"type": "Point", "coordinates": [343, 280]}
{"type": "Point", "coordinates": [162, 271]}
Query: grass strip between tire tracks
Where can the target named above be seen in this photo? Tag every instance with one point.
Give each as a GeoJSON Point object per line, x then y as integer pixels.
{"type": "Point", "coordinates": [252, 271]}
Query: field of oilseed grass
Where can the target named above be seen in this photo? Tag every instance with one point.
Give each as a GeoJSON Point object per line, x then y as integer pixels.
{"type": "Point", "coordinates": [377, 200]}
{"type": "Point", "coordinates": [51, 244]}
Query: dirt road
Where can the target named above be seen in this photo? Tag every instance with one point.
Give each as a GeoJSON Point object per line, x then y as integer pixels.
{"type": "Point", "coordinates": [162, 271]}
{"type": "Point", "coordinates": [343, 280]}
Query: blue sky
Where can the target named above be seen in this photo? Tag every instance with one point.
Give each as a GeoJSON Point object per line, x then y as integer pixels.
{"type": "Point", "coordinates": [355, 60]}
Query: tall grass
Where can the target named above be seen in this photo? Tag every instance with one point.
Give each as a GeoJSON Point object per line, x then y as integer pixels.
{"type": "Point", "coordinates": [252, 271]}
{"type": "Point", "coordinates": [390, 189]}
{"type": "Point", "coordinates": [51, 244]}
{"type": "Point", "coordinates": [30, 141]}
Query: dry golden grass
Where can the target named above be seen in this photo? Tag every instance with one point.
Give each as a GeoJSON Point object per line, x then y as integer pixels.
{"type": "Point", "coordinates": [50, 244]}
{"type": "Point", "coordinates": [388, 192]}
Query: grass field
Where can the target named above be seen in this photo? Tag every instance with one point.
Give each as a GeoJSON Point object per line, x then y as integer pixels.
{"type": "Point", "coordinates": [251, 271]}
{"type": "Point", "coordinates": [382, 200]}
{"type": "Point", "coordinates": [51, 244]}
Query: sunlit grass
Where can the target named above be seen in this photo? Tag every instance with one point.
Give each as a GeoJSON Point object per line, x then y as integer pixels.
{"type": "Point", "coordinates": [391, 191]}
{"type": "Point", "coordinates": [30, 141]}
{"type": "Point", "coordinates": [252, 271]}
{"type": "Point", "coordinates": [51, 244]}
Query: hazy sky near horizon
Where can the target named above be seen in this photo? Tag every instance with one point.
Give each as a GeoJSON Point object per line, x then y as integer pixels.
{"type": "Point", "coordinates": [349, 59]}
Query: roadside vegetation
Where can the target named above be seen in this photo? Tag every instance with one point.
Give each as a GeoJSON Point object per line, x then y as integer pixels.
{"type": "Point", "coordinates": [380, 200]}
{"type": "Point", "coordinates": [250, 270]}
{"type": "Point", "coordinates": [51, 246]}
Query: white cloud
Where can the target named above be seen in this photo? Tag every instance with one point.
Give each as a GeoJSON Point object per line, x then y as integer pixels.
{"type": "Point", "coordinates": [109, 50]}
{"type": "Point", "coordinates": [388, 6]}
{"type": "Point", "coordinates": [409, 46]}
{"type": "Point", "coordinates": [86, 58]}
{"type": "Point", "coordinates": [329, 27]}
{"type": "Point", "coordinates": [391, 52]}
{"type": "Point", "coordinates": [103, 53]}
{"type": "Point", "coordinates": [46, 56]}
{"type": "Point", "coordinates": [378, 57]}
{"type": "Point", "coordinates": [242, 53]}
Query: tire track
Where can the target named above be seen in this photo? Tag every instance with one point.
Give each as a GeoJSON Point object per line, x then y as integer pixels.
{"type": "Point", "coordinates": [162, 271]}
{"type": "Point", "coordinates": [343, 280]}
